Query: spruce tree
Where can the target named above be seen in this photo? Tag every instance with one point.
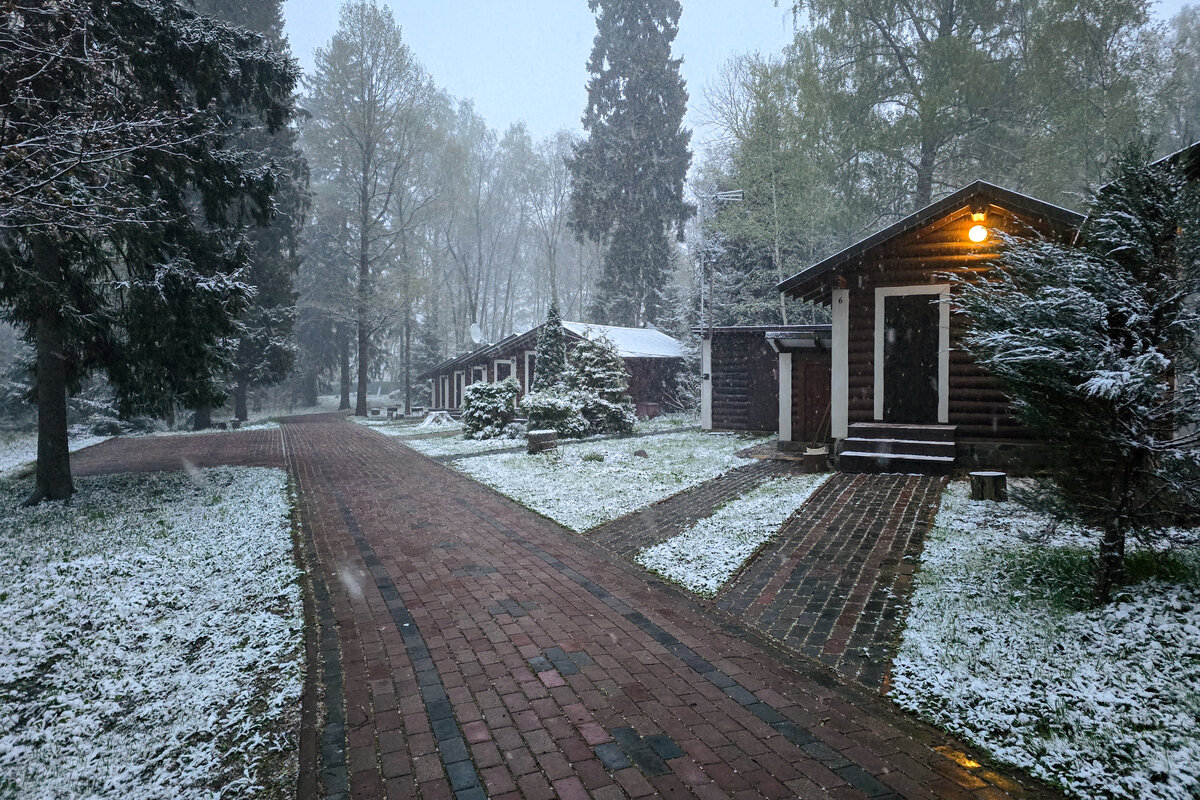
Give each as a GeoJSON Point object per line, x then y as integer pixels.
{"type": "Point", "coordinates": [628, 173]}
{"type": "Point", "coordinates": [118, 249]}
{"type": "Point", "coordinates": [550, 356]}
{"type": "Point", "coordinates": [597, 373]}
{"type": "Point", "coordinates": [1098, 346]}
{"type": "Point", "coordinates": [265, 350]}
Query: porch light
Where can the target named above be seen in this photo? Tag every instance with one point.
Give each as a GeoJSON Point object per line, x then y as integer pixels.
{"type": "Point", "coordinates": [978, 231]}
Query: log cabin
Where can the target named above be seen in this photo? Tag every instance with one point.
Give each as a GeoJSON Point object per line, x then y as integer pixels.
{"type": "Point", "coordinates": [767, 378]}
{"type": "Point", "coordinates": [903, 395]}
{"type": "Point", "coordinates": [652, 362]}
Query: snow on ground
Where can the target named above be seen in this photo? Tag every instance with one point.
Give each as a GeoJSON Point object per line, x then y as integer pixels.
{"type": "Point", "coordinates": [703, 557]}
{"type": "Point", "coordinates": [20, 449]}
{"type": "Point", "coordinates": [580, 493]}
{"type": "Point", "coordinates": [151, 639]}
{"type": "Point", "coordinates": [460, 446]}
{"type": "Point", "coordinates": [1104, 702]}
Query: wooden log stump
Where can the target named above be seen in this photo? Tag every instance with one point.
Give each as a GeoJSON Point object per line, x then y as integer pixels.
{"type": "Point", "coordinates": [541, 441]}
{"type": "Point", "coordinates": [986, 485]}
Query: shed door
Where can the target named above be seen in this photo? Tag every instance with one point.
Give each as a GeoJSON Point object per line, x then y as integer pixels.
{"type": "Point", "coordinates": [910, 359]}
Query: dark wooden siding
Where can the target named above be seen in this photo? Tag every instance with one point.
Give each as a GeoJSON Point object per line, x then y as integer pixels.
{"type": "Point", "coordinates": [977, 406]}
{"type": "Point", "coordinates": [654, 380]}
{"type": "Point", "coordinates": [745, 382]}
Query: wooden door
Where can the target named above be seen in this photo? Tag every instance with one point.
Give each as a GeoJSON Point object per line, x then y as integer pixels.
{"type": "Point", "coordinates": [910, 359]}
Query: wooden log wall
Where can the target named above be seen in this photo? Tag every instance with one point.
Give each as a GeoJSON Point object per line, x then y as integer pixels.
{"type": "Point", "coordinates": [745, 382]}
{"type": "Point", "coordinates": [977, 405]}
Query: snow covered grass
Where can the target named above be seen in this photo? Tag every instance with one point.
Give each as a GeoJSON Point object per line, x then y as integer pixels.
{"type": "Point", "coordinates": [18, 450]}
{"type": "Point", "coordinates": [150, 639]}
{"type": "Point", "coordinates": [588, 483]}
{"type": "Point", "coordinates": [705, 556]}
{"type": "Point", "coordinates": [1001, 648]}
{"type": "Point", "coordinates": [459, 446]}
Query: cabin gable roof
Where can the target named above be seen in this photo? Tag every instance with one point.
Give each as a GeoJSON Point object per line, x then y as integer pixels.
{"type": "Point", "coordinates": [807, 283]}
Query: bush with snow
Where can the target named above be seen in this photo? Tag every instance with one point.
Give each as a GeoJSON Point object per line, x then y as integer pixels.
{"type": "Point", "coordinates": [597, 373]}
{"type": "Point", "coordinates": [151, 638]}
{"type": "Point", "coordinates": [488, 408]}
{"type": "Point", "coordinates": [557, 409]}
{"type": "Point", "coordinates": [1003, 648]}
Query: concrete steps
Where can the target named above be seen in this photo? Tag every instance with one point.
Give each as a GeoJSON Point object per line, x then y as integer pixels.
{"type": "Point", "coordinates": [891, 447]}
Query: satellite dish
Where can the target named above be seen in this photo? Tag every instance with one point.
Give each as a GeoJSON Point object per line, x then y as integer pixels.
{"type": "Point", "coordinates": [477, 334]}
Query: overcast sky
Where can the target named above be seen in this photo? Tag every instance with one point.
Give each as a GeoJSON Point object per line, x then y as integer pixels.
{"type": "Point", "coordinates": [525, 59]}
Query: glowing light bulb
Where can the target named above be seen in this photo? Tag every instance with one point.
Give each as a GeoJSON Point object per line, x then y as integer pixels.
{"type": "Point", "coordinates": [977, 233]}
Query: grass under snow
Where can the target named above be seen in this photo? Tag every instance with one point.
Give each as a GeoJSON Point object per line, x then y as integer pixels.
{"type": "Point", "coordinates": [705, 556]}
{"type": "Point", "coordinates": [588, 483]}
{"type": "Point", "coordinates": [1001, 648]}
{"type": "Point", "coordinates": [151, 637]}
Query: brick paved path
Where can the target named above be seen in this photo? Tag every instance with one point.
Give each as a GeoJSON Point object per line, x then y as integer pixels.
{"type": "Point", "coordinates": [470, 648]}
{"type": "Point", "coordinates": [656, 523]}
{"type": "Point", "coordinates": [262, 448]}
{"type": "Point", "coordinates": [831, 584]}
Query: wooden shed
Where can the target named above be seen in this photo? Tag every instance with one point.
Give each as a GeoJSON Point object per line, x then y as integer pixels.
{"type": "Point", "coordinates": [767, 378]}
{"type": "Point", "coordinates": [652, 360]}
{"type": "Point", "coordinates": [903, 393]}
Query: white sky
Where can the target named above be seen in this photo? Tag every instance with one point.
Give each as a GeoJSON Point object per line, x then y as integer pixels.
{"type": "Point", "coordinates": [525, 59]}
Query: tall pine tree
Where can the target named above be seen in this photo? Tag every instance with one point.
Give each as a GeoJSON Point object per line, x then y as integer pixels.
{"type": "Point", "coordinates": [265, 351]}
{"type": "Point", "coordinates": [118, 249]}
{"type": "Point", "coordinates": [629, 171]}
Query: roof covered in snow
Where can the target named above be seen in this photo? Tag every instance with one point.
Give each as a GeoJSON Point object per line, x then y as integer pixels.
{"type": "Point", "coordinates": [630, 342]}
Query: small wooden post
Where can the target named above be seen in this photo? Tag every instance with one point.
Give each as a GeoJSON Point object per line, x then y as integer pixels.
{"type": "Point", "coordinates": [541, 441]}
{"type": "Point", "coordinates": [988, 485]}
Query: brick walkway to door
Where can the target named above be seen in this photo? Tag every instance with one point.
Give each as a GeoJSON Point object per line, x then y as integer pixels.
{"type": "Point", "coordinates": [832, 584]}
{"type": "Point", "coordinates": [469, 648]}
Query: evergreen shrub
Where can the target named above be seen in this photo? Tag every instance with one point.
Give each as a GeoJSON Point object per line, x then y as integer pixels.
{"type": "Point", "coordinates": [488, 408]}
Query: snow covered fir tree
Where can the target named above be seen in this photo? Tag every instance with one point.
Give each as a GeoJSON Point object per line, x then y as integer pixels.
{"type": "Point", "coordinates": [1098, 345]}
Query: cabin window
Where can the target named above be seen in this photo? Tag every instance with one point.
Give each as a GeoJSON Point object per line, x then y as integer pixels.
{"type": "Point", "coordinates": [478, 374]}
{"type": "Point", "coordinates": [458, 389]}
{"type": "Point", "coordinates": [504, 369]}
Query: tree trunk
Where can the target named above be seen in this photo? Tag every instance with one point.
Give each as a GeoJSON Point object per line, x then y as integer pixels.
{"type": "Point", "coordinates": [52, 479]}
{"type": "Point", "coordinates": [203, 419]}
{"type": "Point", "coordinates": [1111, 569]}
{"type": "Point", "coordinates": [239, 401]}
{"type": "Point", "coordinates": [360, 408]}
{"type": "Point", "coordinates": [407, 363]}
{"type": "Point", "coordinates": [344, 363]}
{"type": "Point", "coordinates": [364, 288]}
{"type": "Point", "coordinates": [308, 388]}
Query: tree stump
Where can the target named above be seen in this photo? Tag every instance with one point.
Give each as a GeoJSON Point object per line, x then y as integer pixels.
{"type": "Point", "coordinates": [541, 441]}
{"type": "Point", "coordinates": [989, 486]}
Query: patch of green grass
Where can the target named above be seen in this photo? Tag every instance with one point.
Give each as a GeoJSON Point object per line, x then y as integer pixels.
{"type": "Point", "coordinates": [592, 457]}
{"type": "Point", "coordinates": [1064, 576]}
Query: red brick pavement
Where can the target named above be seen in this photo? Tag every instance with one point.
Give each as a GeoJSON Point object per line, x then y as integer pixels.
{"type": "Point", "coordinates": [486, 651]}
{"type": "Point", "coordinates": [262, 448]}
{"type": "Point", "coordinates": [470, 648]}
{"type": "Point", "coordinates": [831, 584]}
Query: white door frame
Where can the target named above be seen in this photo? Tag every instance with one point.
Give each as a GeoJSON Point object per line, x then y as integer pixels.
{"type": "Point", "coordinates": [444, 387]}
{"type": "Point", "coordinates": [460, 383]}
{"type": "Point", "coordinates": [943, 290]}
{"type": "Point", "coordinates": [529, 355]}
